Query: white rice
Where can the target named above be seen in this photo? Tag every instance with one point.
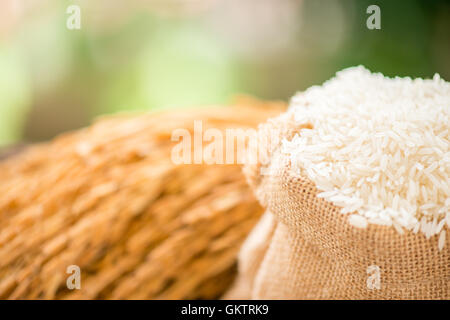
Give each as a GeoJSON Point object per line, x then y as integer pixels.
{"type": "Point", "coordinates": [357, 221]}
{"type": "Point", "coordinates": [441, 241]}
{"type": "Point", "coordinates": [379, 148]}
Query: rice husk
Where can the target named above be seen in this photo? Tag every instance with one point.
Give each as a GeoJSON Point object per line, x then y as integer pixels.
{"type": "Point", "coordinates": [109, 199]}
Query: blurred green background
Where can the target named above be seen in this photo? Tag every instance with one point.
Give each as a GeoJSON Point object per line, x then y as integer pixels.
{"type": "Point", "coordinates": [143, 55]}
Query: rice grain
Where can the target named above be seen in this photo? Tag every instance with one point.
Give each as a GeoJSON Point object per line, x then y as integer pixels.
{"type": "Point", "coordinates": [377, 145]}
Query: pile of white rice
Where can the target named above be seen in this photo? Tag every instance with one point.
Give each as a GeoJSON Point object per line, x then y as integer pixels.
{"type": "Point", "coordinates": [379, 149]}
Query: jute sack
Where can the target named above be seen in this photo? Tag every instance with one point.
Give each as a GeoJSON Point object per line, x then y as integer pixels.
{"type": "Point", "coordinates": [303, 248]}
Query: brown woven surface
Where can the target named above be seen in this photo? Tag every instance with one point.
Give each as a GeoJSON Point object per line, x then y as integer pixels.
{"type": "Point", "coordinates": [109, 199]}
{"type": "Point", "coordinates": [309, 251]}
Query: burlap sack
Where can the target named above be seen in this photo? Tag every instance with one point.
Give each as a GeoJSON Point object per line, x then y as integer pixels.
{"type": "Point", "coordinates": [303, 248]}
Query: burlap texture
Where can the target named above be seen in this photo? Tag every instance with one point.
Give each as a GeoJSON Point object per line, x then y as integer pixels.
{"type": "Point", "coordinates": [308, 250]}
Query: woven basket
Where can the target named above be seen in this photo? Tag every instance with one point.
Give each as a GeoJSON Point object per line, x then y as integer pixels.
{"type": "Point", "coordinates": [109, 200]}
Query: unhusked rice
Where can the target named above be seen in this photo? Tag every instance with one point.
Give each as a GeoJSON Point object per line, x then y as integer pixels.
{"type": "Point", "coordinates": [379, 148]}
